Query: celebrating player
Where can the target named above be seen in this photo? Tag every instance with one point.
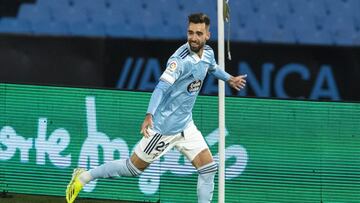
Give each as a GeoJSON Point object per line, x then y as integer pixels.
{"type": "Point", "coordinates": [168, 122]}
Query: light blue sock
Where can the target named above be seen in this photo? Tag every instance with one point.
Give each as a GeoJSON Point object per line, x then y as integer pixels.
{"type": "Point", "coordinates": [205, 185]}
{"type": "Point", "coordinates": [122, 167]}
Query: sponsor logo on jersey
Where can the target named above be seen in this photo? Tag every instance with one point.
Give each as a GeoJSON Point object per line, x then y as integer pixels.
{"type": "Point", "coordinates": [194, 86]}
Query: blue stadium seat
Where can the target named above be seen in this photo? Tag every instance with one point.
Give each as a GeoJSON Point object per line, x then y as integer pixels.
{"type": "Point", "coordinates": [268, 29]}
{"type": "Point", "coordinates": [176, 17]}
{"type": "Point", "coordinates": [259, 22]}
{"type": "Point", "coordinates": [181, 5]}
{"type": "Point", "coordinates": [265, 20]}
{"type": "Point", "coordinates": [243, 7]}
{"type": "Point", "coordinates": [308, 7]}
{"type": "Point", "coordinates": [125, 31]}
{"type": "Point", "coordinates": [147, 18]}
{"type": "Point", "coordinates": [307, 31]}
{"type": "Point", "coordinates": [356, 39]}
{"type": "Point", "coordinates": [338, 22]}
{"type": "Point", "coordinates": [241, 11]}
{"type": "Point", "coordinates": [70, 15]}
{"type": "Point", "coordinates": [115, 24]}
{"type": "Point", "coordinates": [298, 22]}
{"type": "Point", "coordinates": [242, 29]}
{"type": "Point", "coordinates": [34, 14]}
{"type": "Point", "coordinates": [169, 10]}
{"type": "Point", "coordinates": [50, 17]}
{"type": "Point", "coordinates": [204, 6]}
{"type": "Point", "coordinates": [213, 33]}
{"type": "Point", "coordinates": [313, 36]}
{"type": "Point", "coordinates": [277, 35]}
{"type": "Point", "coordinates": [348, 39]}
{"type": "Point", "coordinates": [53, 4]}
{"type": "Point", "coordinates": [342, 8]}
{"type": "Point", "coordinates": [245, 34]}
{"type": "Point", "coordinates": [165, 32]}
{"type": "Point", "coordinates": [157, 22]}
{"type": "Point", "coordinates": [107, 16]}
{"type": "Point", "coordinates": [308, 21]}
{"type": "Point", "coordinates": [162, 6]}
{"type": "Point", "coordinates": [354, 6]}
{"type": "Point", "coordinates": [130, 8]}
{"type": "Point", "coordinates": [341, 28]}
{"type": "Point", "coordinates": [242, 20]}
{"type": "Point", "coordinates": [272, 7]}
{"type": "Point", "coordinates": [320, 21]}
{"type": "Point", "coordinates": [89, 5]}
{"type": "Point", "coordinates": [13, 25]}
{"type": "Point", "coordinates": [356, 21]}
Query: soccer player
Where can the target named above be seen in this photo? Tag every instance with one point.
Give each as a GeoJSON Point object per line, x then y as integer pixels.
{"type": "Point", "coordinates": [168, 122]}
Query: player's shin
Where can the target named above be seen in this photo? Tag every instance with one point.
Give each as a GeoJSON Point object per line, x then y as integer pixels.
{"type": "Point", "coordinates": [205, 185]}
{"type": "Point", "coordinates": [122, 167]}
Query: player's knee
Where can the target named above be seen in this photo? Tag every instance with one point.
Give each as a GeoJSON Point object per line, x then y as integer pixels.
{"type": "Point", "coordinates": [134, 171]}
{"type": "Point", "coordinates": [138, 162]}
{"type": "Point", "coordinates": [208, 171]}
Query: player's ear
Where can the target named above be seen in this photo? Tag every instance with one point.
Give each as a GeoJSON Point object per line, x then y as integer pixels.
{"type": "Point", "coordinates": [208, 34]}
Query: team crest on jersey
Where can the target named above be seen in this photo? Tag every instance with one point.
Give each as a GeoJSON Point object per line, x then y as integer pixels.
{"type": "Point", "coordinates": [194, 86]}
{"type": "Point", "coordinates": [172, 66]}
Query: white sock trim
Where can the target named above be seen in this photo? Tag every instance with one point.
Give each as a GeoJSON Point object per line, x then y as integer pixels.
{"type": "Point", "coordinates": [133, 170]}
{"type": "Point", "coordinates": [208, 168]}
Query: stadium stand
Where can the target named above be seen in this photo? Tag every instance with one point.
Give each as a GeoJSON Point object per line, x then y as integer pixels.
{"type": "Point", "coordinates": [322, 22]}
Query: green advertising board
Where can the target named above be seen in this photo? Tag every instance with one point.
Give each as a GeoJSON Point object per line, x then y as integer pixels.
{"type": "Point", "coordinates": [276, 150]}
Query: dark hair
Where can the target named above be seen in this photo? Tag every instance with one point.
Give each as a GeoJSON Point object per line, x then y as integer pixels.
{"type": "Point", "coordinates": [199, 18]}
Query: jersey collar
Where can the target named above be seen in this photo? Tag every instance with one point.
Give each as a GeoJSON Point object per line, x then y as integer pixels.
{"type": "Point", "coordinates": [194, 55]}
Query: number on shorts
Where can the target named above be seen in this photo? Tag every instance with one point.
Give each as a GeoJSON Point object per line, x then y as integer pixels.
{"type": "Point", "coordinates": [161, 146]}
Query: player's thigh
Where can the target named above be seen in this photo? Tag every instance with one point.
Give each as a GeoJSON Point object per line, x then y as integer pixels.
{"type": "Point", "coordinates": [194, 147]}
{"type": "Point", "coordinates": [151, 148]}
{"type": "Point", "coordinates": [202, 158]}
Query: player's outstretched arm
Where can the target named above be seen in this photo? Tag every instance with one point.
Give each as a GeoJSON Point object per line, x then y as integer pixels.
{"type": "Point", "coordinates": [237, 82]}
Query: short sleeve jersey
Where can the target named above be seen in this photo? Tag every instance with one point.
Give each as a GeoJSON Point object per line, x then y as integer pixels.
{"type": "Point", "coordinates": [185, 72]}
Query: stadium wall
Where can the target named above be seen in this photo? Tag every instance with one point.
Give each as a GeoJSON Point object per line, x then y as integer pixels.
{"type": "Point", "coordinates": [276, 150]}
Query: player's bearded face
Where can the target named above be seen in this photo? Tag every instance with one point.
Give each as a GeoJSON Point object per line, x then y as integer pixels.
{"type": "Point", "coordinates": [197, 35]}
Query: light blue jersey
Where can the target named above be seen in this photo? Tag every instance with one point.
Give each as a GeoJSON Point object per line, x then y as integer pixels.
{"type": "Point", "coordinates": [174, 97]}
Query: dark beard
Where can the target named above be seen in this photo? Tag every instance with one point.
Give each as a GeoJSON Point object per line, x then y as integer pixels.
{"type": "Point", "coordinates": [196, 50]}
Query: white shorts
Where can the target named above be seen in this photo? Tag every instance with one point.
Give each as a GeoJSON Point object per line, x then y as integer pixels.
{"type": "Point", "coordinates": [190, 143]}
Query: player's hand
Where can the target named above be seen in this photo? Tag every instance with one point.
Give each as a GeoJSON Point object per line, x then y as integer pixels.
{"type": "Point", "coordinates": [238, 82]}
{"type": "Point", "coordinates": [148, 123]}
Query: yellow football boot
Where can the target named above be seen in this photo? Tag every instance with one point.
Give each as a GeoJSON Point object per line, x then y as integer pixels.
{"type": "Point", "coordinates": [75, 186]}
